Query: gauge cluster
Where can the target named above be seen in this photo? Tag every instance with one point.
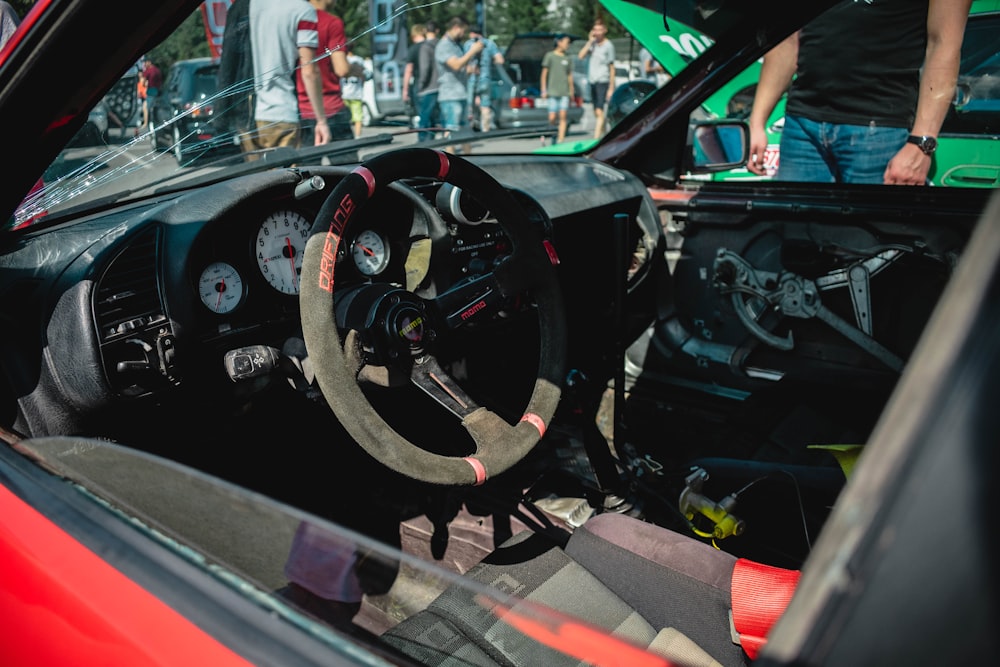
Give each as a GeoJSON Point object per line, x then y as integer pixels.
{"type": "Point", "coordinates": [247, 266]}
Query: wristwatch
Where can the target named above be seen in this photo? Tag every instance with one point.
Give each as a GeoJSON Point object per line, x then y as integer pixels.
{"type": "Point", "coordinates": [927, 144]}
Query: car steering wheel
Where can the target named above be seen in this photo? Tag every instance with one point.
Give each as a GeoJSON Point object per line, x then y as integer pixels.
{"type": "Point", "coordinates": [389, 331]}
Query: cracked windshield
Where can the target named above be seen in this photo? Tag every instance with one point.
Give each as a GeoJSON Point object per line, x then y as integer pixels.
{"type": "Point", "coordinates": [199, 104]}
{"type": "Point", "coordinates": [465, 76]}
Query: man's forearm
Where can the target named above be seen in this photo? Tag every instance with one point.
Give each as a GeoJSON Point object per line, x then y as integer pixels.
{"type": "Point", "coordinates": [314, 90]}
{"type": "Point", "coordinates": [456, 63]}
{"type": "Point", "coordinates": [776, 75]}
{"type": "Point", "coordinates": [937, 91]}
{"type": "Point", "coordinates": [945, 32]}
{"type": "Point", "coordinates": [407, 75]}
{"type": "Point", "coordinates": [338, 59]}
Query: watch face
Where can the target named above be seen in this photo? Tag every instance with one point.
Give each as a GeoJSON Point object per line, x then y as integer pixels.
{"type": "Point", "coordinates": [927, 144]}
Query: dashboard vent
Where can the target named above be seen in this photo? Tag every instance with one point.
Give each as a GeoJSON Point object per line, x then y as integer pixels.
{"type": "Point", "coordinates": [128, 297]}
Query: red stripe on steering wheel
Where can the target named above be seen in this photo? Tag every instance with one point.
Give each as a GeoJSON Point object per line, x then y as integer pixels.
{"type": "Point", "coordinates": [445, 164]}
{"type": "Point", "coordinates": [535, 421]}
{"type": "Point", "coordinates": [478, 467]}
{"type": "Point", "coordinates": [369, 177]}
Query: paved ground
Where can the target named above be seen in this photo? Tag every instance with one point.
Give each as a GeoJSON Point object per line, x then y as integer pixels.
{"type": "Point", "coordinates": [577, 131]}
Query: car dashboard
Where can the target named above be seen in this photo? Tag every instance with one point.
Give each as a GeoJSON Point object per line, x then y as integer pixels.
{"type": "Point", "coordinates": [149, 298]}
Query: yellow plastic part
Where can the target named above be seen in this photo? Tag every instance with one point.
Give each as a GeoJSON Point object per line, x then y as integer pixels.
{"type": "Point", "coordinates": [846, 455]}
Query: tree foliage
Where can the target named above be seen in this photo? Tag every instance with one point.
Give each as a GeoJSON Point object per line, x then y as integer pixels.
{"type": "Point", "coordinates": [583, 13]}
{"type": "Point", "coordinates": [187, 41]}
{"type": "Point", "coordinates": [502, 19]}
{"type": "Point", "coordinates": [506, 18]}
{"type": "Point", "coordinates": [354, 14]}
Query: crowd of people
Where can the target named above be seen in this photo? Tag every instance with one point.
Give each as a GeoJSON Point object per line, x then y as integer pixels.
{"type": "Point", "coordinates": [445, 79]}
{"type": "Point", "coordinates": [831, 132]}
{"type": "Point", "coordinates": [266, 42]}
{"type": "Point", "coordinates": [448, 76]}
{"type": "Point", "coordinates": [447, 82]}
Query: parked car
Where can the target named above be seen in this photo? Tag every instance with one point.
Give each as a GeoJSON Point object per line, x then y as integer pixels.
{"type": "Point", "coordinates": [182, 115]}
{"type": "Point", "coordinates": [382, 95]}
{"type": "Point", "coordinates": [517, 100]}
{"type": "Point", "coordinates": [373, 402]}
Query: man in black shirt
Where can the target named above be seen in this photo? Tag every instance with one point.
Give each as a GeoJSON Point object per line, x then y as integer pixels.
{"type": "Point", "coordinates": [427, 85]}
{"type": "Point", "coordinates": [873, 81]}
{"type": "Point", "coordinates": [234, 77]}
{"type": "Point", "coordinates": [410, 82]}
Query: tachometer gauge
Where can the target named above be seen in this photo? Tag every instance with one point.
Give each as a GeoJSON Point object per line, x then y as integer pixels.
{"type": "Point", "coordinates": [220, 287]}
{"type": "Point", "coordinates": [281, 241]}
{"type": "Point", "coordinates": [370, 253]}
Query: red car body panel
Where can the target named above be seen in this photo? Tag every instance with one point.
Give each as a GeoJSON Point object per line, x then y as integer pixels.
{"type": "Point", "coordinates": [62, 604]}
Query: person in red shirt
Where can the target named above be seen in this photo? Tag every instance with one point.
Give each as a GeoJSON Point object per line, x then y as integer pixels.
{"type": "Point", "coordinates": [332, 55]}
{"type": "Point", "coordinates": [152, 79]}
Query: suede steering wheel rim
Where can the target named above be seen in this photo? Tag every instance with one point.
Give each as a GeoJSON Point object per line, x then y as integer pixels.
{"type": "Point", "coordinates": [337, 363]}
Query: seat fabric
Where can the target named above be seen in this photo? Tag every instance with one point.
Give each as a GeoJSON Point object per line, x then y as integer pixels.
{"type": "Point", "coordinates": [670, 579]}
{"type": "Point", "coordinates": [626, 576]}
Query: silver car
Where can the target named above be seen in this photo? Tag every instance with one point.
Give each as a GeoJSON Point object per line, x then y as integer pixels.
{"type": "Point", "coordinates": [516, 86]}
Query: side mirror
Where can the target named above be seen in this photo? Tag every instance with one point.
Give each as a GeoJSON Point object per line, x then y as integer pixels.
{"type": "Point", "coordinates": [718, 145]}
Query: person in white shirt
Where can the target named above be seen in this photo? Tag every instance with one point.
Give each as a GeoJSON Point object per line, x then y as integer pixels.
{"type": "Point", "coordinates": [652, 70]}
{"type": "Point", "coordinates": [284, 36]}
{"type": "Point", "coordinates": [600, 72]}
{"type": "Point", "coordinates": [352, 88]}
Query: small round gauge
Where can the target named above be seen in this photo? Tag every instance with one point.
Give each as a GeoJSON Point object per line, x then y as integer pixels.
{"type": "Point", "coordinates": [281, 242]}
{"type": "Point", "coordinates": [220, 287]}
{"type": "Point", "coordinates": [370, 253]}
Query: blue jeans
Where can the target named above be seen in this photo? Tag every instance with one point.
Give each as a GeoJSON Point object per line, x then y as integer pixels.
{"type": "Point", "coordinates": [453, 114]}
{"type": "Point", "coordinates": [557, 104]}
{"type": "Point", "coordinates": [832, 153]}
{"type": "Point", "coordinates": [427, 109]}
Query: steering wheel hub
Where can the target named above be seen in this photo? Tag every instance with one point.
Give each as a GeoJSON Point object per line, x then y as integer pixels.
{"type": "Point", "coordinates": [408, 323]}
{"type": "Point", "coordinates": [393, 322]}
{"type": "Point", "coordinates": [403, 320]}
